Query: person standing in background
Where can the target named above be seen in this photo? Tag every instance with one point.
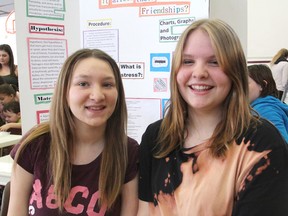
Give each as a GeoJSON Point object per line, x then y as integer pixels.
{"type": "Point", "coordinates": [210, 155]}
{"type": "Point", "coordinates": [279, 67]}
{"type": "Point", "coordinates": [8, 70]}
{"type": "Point", "coordinates": [263, 96]}
{"type": "Point", "coordinates": [80, 162]}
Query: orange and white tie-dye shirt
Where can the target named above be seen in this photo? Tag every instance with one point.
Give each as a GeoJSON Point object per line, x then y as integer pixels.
{"type": "Point", "coordinates": [252, 179]}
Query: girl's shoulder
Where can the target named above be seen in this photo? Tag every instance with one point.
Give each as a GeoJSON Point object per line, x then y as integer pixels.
{"type": "Point", "coordinates": [150, 137]}
{"type": "Point", "coordinates": [262, 135]}
{"type": "Point", "coordinates": [38, 145]}
{"type": "Point", "coordinates": [153, 128]}
{"type": "Point", "coordinates": [133, 146]}
{"type": "Point", "coordinates": [33, 154]}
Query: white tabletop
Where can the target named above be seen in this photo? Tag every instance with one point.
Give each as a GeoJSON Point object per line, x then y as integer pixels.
{"type": "Point", "coordinates": [9, 140]}
{"type": "Point", "coordinates": [6, 163]}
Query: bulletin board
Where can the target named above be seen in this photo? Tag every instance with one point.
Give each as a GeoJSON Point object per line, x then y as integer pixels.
{"type": "Point", "coordinates": [139, 34]}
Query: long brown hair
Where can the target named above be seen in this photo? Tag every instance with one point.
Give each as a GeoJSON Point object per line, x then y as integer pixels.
{"type": "Point", "coordinates": [262, 75]}
{"type": "Point", "coordinates": [6, 48]}
{"type": "Point", "coordinates": [231, 59]}
{"type": "Point", "coordinates": [61, 127]}
{"type": "Point", "coordinates": [8, 89]}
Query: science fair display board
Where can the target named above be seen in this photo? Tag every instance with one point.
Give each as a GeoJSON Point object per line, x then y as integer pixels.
{"type": "Point", "coordinates": [140, 35]}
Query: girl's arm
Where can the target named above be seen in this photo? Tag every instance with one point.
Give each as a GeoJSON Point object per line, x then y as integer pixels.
{"type": "Point", "coordinates": [285, 76]}
{"type": "Point", "coordinates": [129, 206]}
{"type": "Point", "coordinates": [16, 70]}
{"type": "Point", "coordinates": [7, 126]}
{"type": "Point", "coordinates": [20, 190]}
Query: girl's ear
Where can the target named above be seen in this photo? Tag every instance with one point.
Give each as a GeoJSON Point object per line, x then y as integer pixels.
{"type": "Point", "coordinates": [265, 83]}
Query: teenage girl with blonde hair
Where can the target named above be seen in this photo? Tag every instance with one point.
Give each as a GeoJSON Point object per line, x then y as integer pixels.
{"type": "Point", "coordinates": [210, 155]}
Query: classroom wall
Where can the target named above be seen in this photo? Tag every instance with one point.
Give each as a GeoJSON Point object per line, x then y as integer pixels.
{"type": "Point", "coordinates": [267, 30]}
{"type": "Point", "coordinates": [235, 14]}
{"type": "Point", "coordinates": [8, 32]}
{"type": "Point", "coordinates": [260, 24]}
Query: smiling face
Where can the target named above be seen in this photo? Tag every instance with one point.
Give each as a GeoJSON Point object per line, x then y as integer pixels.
{"type": "Point", "coordinates": [201, 81]}
{"type": "Point", "coordinates": [92, 96]}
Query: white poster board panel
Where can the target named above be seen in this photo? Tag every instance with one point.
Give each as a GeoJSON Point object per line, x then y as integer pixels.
{"type": "Point", "coordinates": [141, 112]}
{"type": "Point", "coordinates": [141, 37]}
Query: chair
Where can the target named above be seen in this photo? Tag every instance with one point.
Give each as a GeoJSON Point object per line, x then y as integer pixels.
{"type": "Point", "coordinates": [284, 94]}
{"type": "Point", "coordinates": [5, 200]}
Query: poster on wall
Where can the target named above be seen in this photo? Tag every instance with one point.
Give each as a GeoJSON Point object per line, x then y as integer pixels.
{"type": "Point", "coordinates": [141, 37]}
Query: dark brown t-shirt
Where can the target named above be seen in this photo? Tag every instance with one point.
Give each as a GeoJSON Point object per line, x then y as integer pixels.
{"type": "Point", "coordinates": [84, 192]}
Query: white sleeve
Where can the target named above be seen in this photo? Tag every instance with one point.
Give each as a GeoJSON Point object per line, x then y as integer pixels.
{"type": "Point", "coordinates": [285, 76]}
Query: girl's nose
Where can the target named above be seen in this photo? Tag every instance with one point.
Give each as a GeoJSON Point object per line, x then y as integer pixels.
{"type": "Point", "coordinates": [200, 71]}
{"type": "Point", "coordinates": [97, 94]}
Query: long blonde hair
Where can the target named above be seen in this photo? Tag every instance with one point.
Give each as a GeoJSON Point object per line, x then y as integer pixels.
{"type": "Point", "coordinates": [236, 110]}
{"type": "Point", "coordinates": [282, 53]}
{"type": "Point", "coordinates": [61, 127]}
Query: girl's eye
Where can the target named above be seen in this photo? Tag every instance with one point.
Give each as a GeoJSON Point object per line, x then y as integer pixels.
{"type": "Point", "coordinates": [83, 84]}
{"type": "Point", "coordinates": [214, 63]}
{"type": "Point", "coordinates": [108, 85]}
{"type": "Point", "coordinates": [187, 61]}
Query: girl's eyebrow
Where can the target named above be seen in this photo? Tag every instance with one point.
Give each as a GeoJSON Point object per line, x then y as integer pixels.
{"type": "Point", "coordinates": [191, 56]}
{"type": "Point", "coordinates": [81, 76]}
{"type": "Point", "coordinates": [109, 78]}
{"type": "Point", "coordinates": [187, 55]}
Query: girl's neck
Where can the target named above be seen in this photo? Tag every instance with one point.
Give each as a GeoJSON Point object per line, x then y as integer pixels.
{"type": "Point", "coordinates": [5, 70]}
{"type": "Point", "coordinates": [200, 128]}
{"type": "Point", "coordinates": [89, 136]}
{"type": "Point", "coordinates": [87, 149]}
{"type": "Point", "coordinates": [202, 120]}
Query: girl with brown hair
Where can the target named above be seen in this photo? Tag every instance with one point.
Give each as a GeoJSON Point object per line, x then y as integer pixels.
{"type": "Point", "coordinates": [81, 162]}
